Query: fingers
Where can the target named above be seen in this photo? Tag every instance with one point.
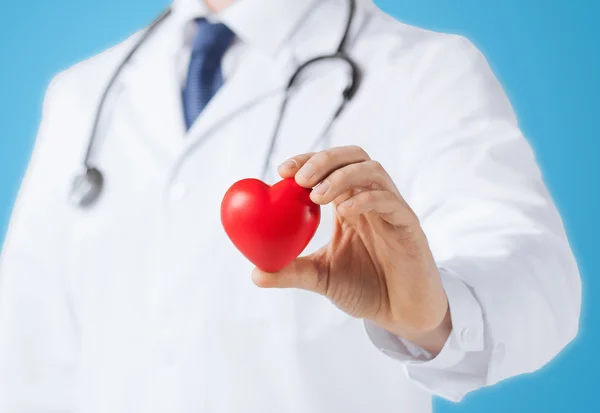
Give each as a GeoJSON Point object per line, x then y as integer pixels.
{"type": "Point", "coordinates": [310, 169]}
{"type": "Point", "coordinates": [390, 206]}
{"type": "Point", "coordinates": [304, 273]}
{"type": "Point", "coordinates": [363, 175]}
{"type": "Point", "coordinates": [289, 168]}
{"type": "Point", "coordinates": [347, 175]}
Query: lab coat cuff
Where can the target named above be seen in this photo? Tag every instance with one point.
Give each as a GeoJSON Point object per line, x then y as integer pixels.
{"type": "Point", "coordinates": [466, 336]}
{"type": "Point", "coordinates": [465, 312]}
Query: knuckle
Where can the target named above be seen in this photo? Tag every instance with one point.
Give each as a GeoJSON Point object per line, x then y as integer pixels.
{"type": "Point", "coordinates": [358, 151]}
{"type": "Point", "coordinates": [381, 179]}
{"type": "Point", "coordinates": [340, 176]}
{"type": "Point", "coordinates": [328, 155]}
{"type": "Point", "coordinates": [339, 180]}
{"type": "Point", "coordinates": [323, 158]}
{"type": "Point", "coordinates": [377, 167]}
{"type": "Point", "coordinates": [357, 170]}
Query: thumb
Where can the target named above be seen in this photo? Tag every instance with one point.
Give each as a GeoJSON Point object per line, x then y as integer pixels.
{"type": "Point", "coordinates": [306, 273]}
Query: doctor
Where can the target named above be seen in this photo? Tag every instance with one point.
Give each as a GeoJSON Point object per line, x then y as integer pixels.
{"type": "Point", "coordinates": [441, 264]}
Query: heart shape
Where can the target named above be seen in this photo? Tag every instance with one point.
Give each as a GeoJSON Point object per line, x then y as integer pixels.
{"type": "Point", "coordinates": [270, 225]}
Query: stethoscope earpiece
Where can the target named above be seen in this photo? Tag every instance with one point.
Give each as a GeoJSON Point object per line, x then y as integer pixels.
{"type": "Point", "coordinates": [86, 188]}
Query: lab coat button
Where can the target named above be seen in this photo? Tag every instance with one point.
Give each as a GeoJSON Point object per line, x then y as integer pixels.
{"type": "Point", "coordinates": [468, 335]}
{"type": "Point", "coordinates": [178, 191]}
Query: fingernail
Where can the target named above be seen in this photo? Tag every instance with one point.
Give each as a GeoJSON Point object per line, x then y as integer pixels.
{"type": "Point", "coordinates": [321, 188]}
{"type": "Point", "coordinates": [306, 172]}
{"type": "Point", "coordinates": [289, 164]}
{"type": "Point", "coordinates": [347, 203]}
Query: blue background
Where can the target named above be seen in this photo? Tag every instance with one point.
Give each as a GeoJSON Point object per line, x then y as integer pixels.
{"type": "Point", "coordinates": [547, 55]}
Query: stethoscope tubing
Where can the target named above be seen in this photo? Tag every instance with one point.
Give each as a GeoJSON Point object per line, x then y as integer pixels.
{"type": "Point", "coordinates": [111, 83]}
{"type": "Point", "coordinates": [87, 186]}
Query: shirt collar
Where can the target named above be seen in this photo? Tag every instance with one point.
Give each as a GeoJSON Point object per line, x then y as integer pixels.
{"type": "Point", "coordinates": [264, 24]}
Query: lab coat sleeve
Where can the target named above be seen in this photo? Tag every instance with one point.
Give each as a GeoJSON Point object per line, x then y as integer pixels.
{"type": "Point", "coordinates": [38, 345]}
{"type": "Point", "coordinates": [512, 283]}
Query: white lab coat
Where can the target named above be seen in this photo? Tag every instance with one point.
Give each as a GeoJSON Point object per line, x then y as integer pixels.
{"type": "Point", "coordinates": [141, 304]}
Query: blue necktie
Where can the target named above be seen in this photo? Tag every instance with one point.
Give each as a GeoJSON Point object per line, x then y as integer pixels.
{"type": "Point", "coordinates": [204, 74]}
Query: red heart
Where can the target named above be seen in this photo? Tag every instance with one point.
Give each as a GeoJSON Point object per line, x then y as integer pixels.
{"type": "Point", "coordinates": [270, 225]}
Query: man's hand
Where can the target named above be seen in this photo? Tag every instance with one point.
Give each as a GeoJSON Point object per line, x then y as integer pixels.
{"type": "Point", "coordinates": [378, 264]}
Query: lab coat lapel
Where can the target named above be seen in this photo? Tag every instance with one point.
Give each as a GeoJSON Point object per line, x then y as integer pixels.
{"type": "Point", "coordinates": [256, 80]}
{"type": "Point", "coordinates": [240, 120]}
{"type": "Point", "coordinates": [242, 114]}
{"type": "Point", "coordinates": [153, 91]}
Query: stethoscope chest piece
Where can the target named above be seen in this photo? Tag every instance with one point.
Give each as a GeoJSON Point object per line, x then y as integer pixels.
{"type": "Point", "coordinates": [86, 188]}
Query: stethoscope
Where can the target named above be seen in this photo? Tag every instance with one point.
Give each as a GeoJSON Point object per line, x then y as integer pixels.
{"type": "Point", "coordinates": [87, 186]}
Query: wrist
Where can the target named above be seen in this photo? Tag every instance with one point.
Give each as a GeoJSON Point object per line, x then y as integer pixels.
{"type": "Point", "coordinates": [432, 340]}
